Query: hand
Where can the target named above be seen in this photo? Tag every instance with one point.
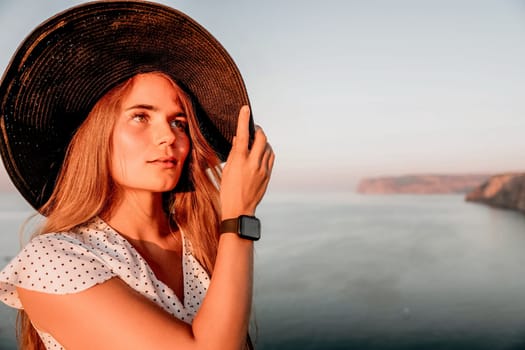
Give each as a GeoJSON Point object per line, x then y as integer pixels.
{"type": "Point", "coordinates": [247, 172]}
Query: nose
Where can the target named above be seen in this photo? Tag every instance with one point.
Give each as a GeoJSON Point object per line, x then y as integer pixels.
{"type": "Point", "coordinates": [164, 134]}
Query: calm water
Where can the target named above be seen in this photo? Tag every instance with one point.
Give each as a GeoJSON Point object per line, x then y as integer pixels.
{"type": "Point", "coordinates": [343, 271]}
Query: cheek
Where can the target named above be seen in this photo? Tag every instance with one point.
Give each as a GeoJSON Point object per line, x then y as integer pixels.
{"type": "Point", "coordinates": [118, 161]}
{"type": "Point", "coordinates": [125, 148]}
{"type": "Point", "coordinates": [128, 142]}
{"type": "Point", "coordinates": [183, 146]}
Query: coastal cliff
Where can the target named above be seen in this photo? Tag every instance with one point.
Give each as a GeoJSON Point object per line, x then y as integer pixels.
{"type": "Point", "coordinates": [502, 191]}
{"type": "Point", "coordinates": [421, 184]}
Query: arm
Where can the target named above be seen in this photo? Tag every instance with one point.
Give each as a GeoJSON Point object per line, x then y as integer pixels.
{"type": "Point", "coordinates": [111, 315]}
{"type": "Point", "coordinates": [244, 181]}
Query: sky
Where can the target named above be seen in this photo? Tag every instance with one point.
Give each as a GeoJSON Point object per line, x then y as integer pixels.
{"type": "Point", "coordinates": [348, 89]}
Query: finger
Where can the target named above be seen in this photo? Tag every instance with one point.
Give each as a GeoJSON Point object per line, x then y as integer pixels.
{"type": "Point", "coordinates": [267, 159]}
{"type": "Point", "coordinates": [242, 135]}
{"type": "Point", "coordinates": [259, 143]}
{"type": "Point", "coordinates": [266, 181]}
{"type": "Point", "coordinates": [270, 163]}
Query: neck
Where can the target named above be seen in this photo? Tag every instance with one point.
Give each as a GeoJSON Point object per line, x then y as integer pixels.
{"type": "Point", "coordinates": [139, 215]}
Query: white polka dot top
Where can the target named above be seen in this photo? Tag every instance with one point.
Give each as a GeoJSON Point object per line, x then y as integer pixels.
{"type": "Point", "coordinates": [92, 253]}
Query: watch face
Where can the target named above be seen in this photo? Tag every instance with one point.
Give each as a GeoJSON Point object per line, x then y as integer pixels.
{"type": "Point", "coordinates": [249, 227]}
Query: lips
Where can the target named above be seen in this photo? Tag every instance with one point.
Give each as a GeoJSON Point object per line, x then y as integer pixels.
{"type": "Point", "coordinates": [167, 162]}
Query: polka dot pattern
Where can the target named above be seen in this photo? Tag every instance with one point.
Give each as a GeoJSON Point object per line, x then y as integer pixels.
{"type": "Point", "coordinates": [60, 263]}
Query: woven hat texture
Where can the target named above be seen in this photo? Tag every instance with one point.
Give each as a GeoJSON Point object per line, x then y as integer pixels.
{"type": "Point", "coordinates": [71, 60]}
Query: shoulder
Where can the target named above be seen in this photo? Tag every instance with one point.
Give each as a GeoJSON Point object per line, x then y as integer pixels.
{"type": "Point", "coordinates": [58, 263]}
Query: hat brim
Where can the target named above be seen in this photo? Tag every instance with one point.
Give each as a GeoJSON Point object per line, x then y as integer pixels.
{"type": "Point", "coordinates": [70, 61]}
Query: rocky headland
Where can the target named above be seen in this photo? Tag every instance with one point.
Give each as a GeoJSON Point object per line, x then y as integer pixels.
{"type": "Point", "coordinates": [502, 191]}
{"type": "Point", "coordinates": [422, 184]}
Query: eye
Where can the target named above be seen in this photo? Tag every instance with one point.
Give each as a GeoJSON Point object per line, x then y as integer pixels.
{"type": "Point", "coordinates": [139, 117]}
{"type": "Point", "coordinates": [179, 124]}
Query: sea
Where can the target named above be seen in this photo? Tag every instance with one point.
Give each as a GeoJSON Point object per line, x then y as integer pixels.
{"type": "Point", "coordinates": [383, 272]}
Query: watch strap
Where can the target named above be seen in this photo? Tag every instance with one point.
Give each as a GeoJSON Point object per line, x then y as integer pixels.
{"type": "Point", "coordinates": [246, 226]}
{"type": "Point", "coordinates": [229, 225]}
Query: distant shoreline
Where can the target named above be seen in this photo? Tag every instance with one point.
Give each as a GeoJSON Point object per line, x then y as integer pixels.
{"type": "Point", "coordinates": [505, 191]}
{"type": "Point", "coordinates": [422, 184]}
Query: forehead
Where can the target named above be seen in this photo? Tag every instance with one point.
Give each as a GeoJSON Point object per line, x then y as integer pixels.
{"type": "Point", "coordinates": [153, 88]}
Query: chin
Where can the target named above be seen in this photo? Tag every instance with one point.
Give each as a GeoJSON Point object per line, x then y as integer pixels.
{"type": "Point", "coordinates": [166, 187]}
{"type": "Point", "coordinates": [163, 188]}
{"type": "Point", "coordinates": [155, 183]}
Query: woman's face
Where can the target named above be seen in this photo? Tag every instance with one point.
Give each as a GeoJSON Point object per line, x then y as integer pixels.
{"type": "Point", "coordinates": [150, 139]}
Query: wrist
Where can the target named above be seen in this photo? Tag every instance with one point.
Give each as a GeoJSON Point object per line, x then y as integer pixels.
{"type": "Point", "coordinates": [232, 214]}
{"type": "Point", "coordinates": [245, 226]}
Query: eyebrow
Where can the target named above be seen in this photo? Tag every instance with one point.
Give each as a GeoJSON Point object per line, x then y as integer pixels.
{"type": "Point", "coordinates": [153, 108]}
{"type": "Point", "coordinates": [143, 106]}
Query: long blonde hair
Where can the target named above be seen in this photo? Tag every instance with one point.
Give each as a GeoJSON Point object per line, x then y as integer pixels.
{"type": "Point", "coordinates": [85, 189]}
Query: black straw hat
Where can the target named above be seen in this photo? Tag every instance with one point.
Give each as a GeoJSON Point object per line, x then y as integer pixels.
{"type": "Point", "coordinates": [70, 61]}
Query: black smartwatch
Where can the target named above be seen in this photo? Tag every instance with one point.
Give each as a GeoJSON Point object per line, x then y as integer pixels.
{"type": "Point", "coordinates": [247, 227]}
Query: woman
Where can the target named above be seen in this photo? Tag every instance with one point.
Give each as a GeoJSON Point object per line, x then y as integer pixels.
{"type": "Point", "coordinates": [140, 249]}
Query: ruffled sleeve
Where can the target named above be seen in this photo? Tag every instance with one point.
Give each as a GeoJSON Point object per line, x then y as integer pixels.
{"type": "Point", "coordinates": [53, 263]}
